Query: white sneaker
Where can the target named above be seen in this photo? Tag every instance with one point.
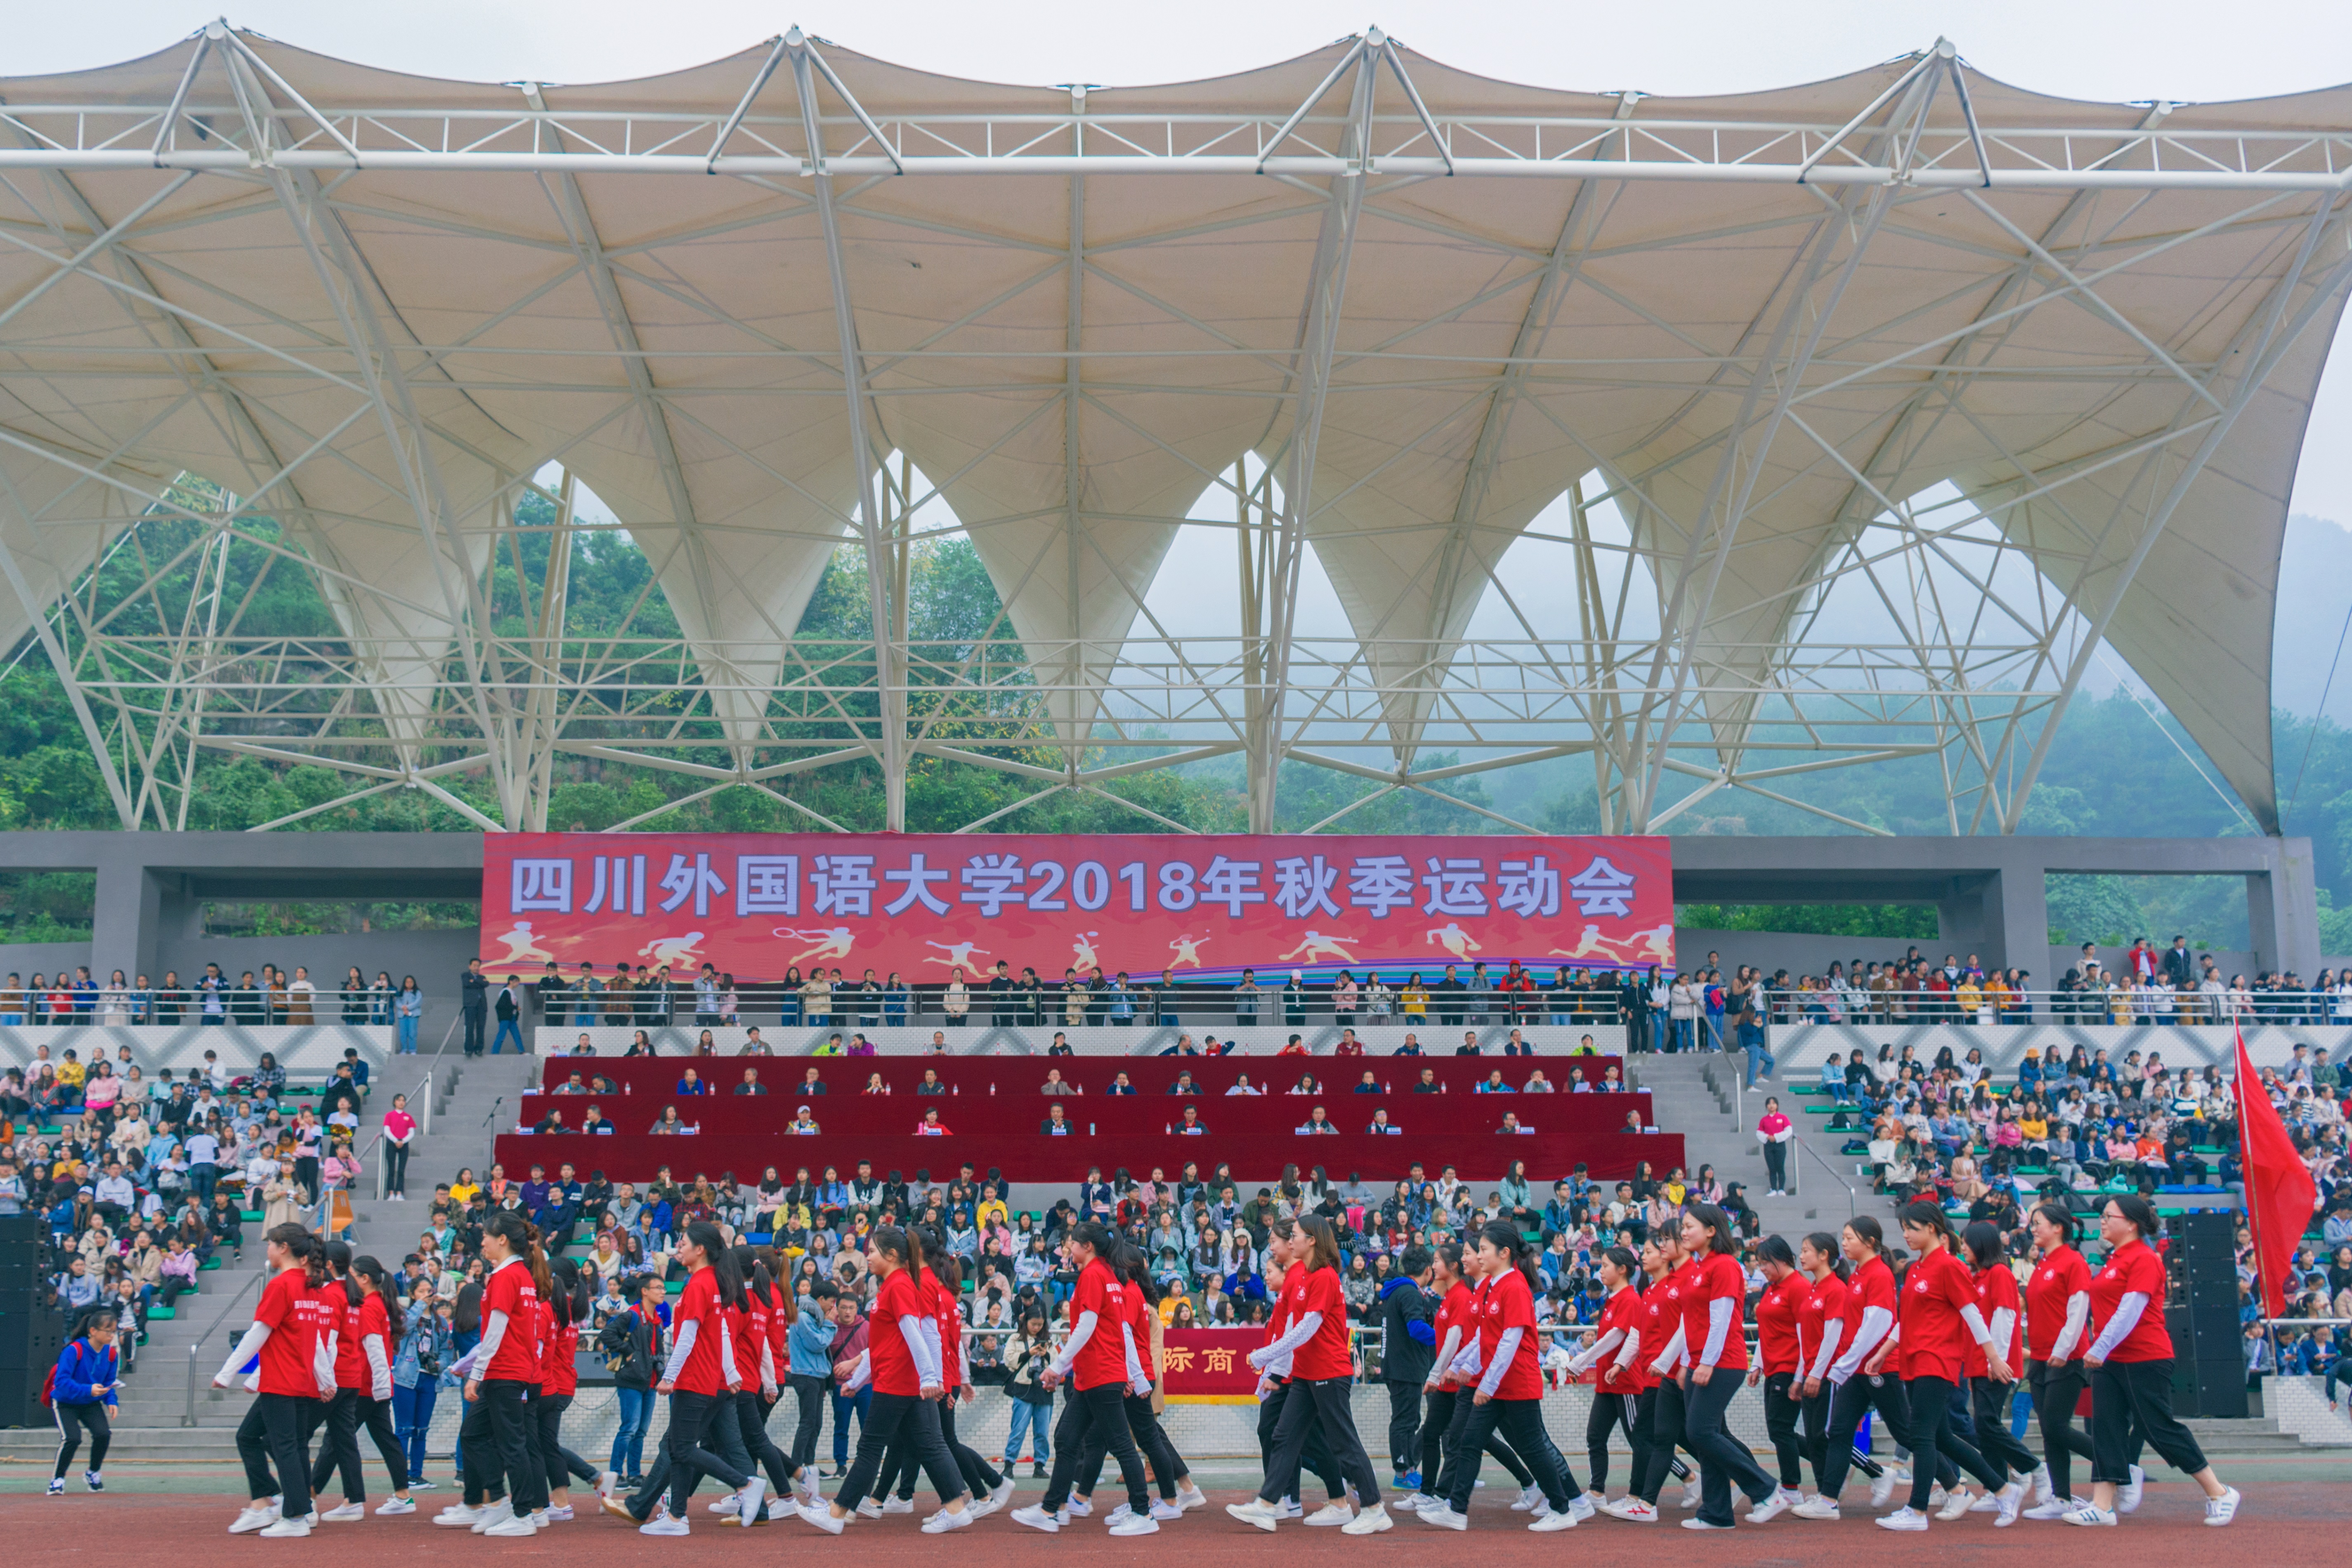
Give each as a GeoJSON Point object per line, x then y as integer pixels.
{"type": "Point", "coordinates": [1035, 1517]}
{"type": "Point", "coordinates": [2041, 1491]}
{"type": "Point", "coordinates": [459, 1516]}
{"type": "Point", "coordinates": [2010, 1499]}
{"type": "Point", "coordinates": [2089, 1514]}
{"type": "Point", "coordinates": [1331, 1513]}
{"type": "Point", "coordinates": [1565, 1519]}
{"type": "Point", "coordinates": [1817, 1507]}
{"type": "Point", "coordinates": [1079, 1507]}
{"type": "Point", "coordinates": [1703, 1524]}
{"type": "Point", "coordinates": [555, 1515]}
{"type": "Point", "coordinates": [726, 1504]}
{"type": "Point", "coordinates": [391, 1506]}
{"type": "Point", "coordinates": [869, 1508]}
{"type": "Point", "coordinates": [2056, 1508]}
{"type": "Point", "coordinates": [1443, 1516]}
{"type": "Point", "coordinates": [2127, 1496]}
{"type": "Point", "coordinates": [539, 1517]}
{"type": "Point", "coordinates": [254, 1516]}
{"type": "Point", "coordinates": [1166, 1512]}
{"type": "Point", "coordinates": [1530, 1498]}
{"type": "Point", "coordinates": [1368, 1522]}
{"type": "Point", "coordinates": [1290, 1509]}
{"type": "Point", "coordinates": [1936, 1495]}
{"type": "Point", "coordinates": [521, 1525]}
{"type": "Point", "coordinates": [1882, 1489]}
{"type": "Point", "coordinates": [1691, 1493]}
{"type": "Point", "coordinates": [1904, 1518]}
{"type": "Point", "coordinates": [1772, 1507]}
{"type": "Point", "coordinates": [1958, 1504]}
{"type": "Point", "coordinates": [287, 1530]}
{"type": "Point", "coordinates": [608, 1483]}
{"type": "Point", "coordinates": [344, 1514]}
{"type": "Point", "coordinates": [811, 1490]}
{"type": "Point", "coordinates": [1633, 1510]}
{"type": "Point", "coordinates": [821, 1516]}
{"type": "Point", "coordinates": [1257, 1511]}
{"type": "Point", "coordinates": [664, 1524]}
{"type": "Point", "coordinates": [498, 1512]}
{"type": "Point", "coordinates": [1986, 1503]}
{"type": "Point", "coordinates": [942, 1522]}
{"type": "Point", "coordinates": [1134, 1525]}
{"type": "Point", "coordinates": [1001, 1493]}
{"type": "Point", "coordinates": [899, 1505]}
{"type": "Point", "coordinates": [1582, 1507]}
{"type": "Point", "coordinates": [1188, 1496]}
{"type": "Point", "coordinates": [2220, 1511]}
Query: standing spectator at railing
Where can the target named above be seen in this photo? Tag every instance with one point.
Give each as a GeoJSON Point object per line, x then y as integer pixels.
{"type": "Point", "coordinates": [399, 1129]}
{"type": "Point", "coordinates": [408, 1013]}
{"type": "Point", "coordinates": [508, 1004]}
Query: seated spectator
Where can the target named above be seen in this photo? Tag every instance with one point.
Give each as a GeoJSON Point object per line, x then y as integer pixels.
{"type": "Point", "coordinates": [1184, 1083]}
{"type": "Point", "coordinates": [1057, 1124]}
{"type": "Point", "coordinates": [1242, 1086]}
{"type": "Point", "coordinates": [874, 1085]}
{"type": "Point", "coordinates": [1370, 1084]}
{"type": "Point", "coordinates": [1537, 1084]}
{"type": "Point", "coordinates": [1492, 1084]}
{"type": "Point", "coordinates": [1610, 1083]}
{"type": "Point", "coordinates": [811, 1082]}
{"type": "Point", "coordinates": [1316, 1124]}
{"type": "Point", "coordinates": [1349, 1045]}
{"type": "Point", "coordinates": [930, 1126]}
{"type": "Point", "coordinates": [1511, 1125]}
{"type": "Point", "coordinates": [668, 1123]}
{"type": "Point", "coordinates": [754, 1045]}
{"type": "Point", "coordinates": [930, 1084]}
{"type": "Point", "coordinates": [552, 1122]}
{"type": "Point", "coordinates": [1306, 1084]}
{"type": "Point", "coordinates": [1380, 1125]}
{"type": "Point", "coordinates": [1055, 1084]}
{"type": "Point", "coordinates": [1429, 1084]}
{"type": "Point", "coordinates": [1576, 1081]}
{"type": "Point", "coordinates": [593, 1119]}
{"type": "Point", "coordinates": [1833, 1079]}
{"type": "Point", "coordinates": [692, 1084]}
{"type": "Point", "coordinates": [1190, 1126]}
{"type": "Point", "coordinates": [751, 1084]}
{"type": "Point", "coordinates": [1121, 1085]}
{"type": "Point", "coordinates": [1293, 1046]}
{"type": "Point", "coordinates": [570, 1086]}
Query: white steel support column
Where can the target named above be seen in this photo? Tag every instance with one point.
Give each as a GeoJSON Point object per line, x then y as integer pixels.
{"type": "Point", "coordinates": [890, 662]}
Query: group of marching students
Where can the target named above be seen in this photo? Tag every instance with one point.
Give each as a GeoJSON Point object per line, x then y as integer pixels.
{"type": "Point", "coordinates": [1842, 1335]}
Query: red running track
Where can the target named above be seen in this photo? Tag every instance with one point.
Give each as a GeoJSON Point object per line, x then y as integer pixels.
{"type": "Point", "coordinates": [2282, 1522]}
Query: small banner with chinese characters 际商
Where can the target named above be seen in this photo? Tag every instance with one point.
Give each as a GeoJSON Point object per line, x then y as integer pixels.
{"type": "Point", "coordinates": [1210, 1366]}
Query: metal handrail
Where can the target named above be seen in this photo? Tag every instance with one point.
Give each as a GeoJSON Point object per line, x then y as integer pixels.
{"type": "Point", "coordinates": [188, 1417]}
{"type": "Point", "coordinates": [1852, 1198]}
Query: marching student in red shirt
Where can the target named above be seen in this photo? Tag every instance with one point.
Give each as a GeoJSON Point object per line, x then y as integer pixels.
{"type": "Point", "coordinates": [286, 1338]}
{"type": "Point", "coordinates": [1508, 1395]}
{"type": "Point", "coordinates": [500, 1374]}
{"type": "Point", "coordinates": [939, 1283]}
{"type": "Point", "coordinates": [1780, 1369]}
{"type": "Point", "coordinates": [339, 1299]}
{"type": "Point", "coordinates": [2057, 1332]}
{"type": "Point", "coordinates": [562, 1310]}
{"type": "Point", "coordinates": [1654, 1345]}
{"type": "Point", "coordinates": [2130, 1363]}
{"type": "Point", "coordinates": [1101, 1361]}
{"type": "Point", "coordinates": [1714, 1357]}
{"type": "Point", "coordinates": [750, 1319]}
{"type": "Point", "coordinates": [1612, 1406]}
{"type": "Point", "coordinates": [1859, 1390]}
{"type": "Point", "coordinates": [1449, 1408]}
{"type": "Point", "coordinates": [702, 1371]}
{"type": "Point", "coordinates": [2003, 1309]}
{"type": "Point", "coordinates": [1315, 1349]}
{"type": "Point", "coordinates": [1173, 1477]}
{"type": "Point", "coordinates": [1939, 1320]}
{"type": "Point", "coordinates": [902, 1362]}
{"type": "Point", "coordinates": [1822, 1327]}
{"type": "Point", "coordinates": [379, 1323]}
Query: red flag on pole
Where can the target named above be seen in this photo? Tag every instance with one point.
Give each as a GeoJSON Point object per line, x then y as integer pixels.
{"type": "Point", "coordinates": [2280, 1194]}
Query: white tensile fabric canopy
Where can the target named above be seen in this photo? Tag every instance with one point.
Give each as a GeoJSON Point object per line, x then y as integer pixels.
{"type": "Point", "coordinates": [370, 305]}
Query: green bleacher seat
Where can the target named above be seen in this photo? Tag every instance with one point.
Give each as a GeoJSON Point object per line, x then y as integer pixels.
{"type": "Point", "coordinates": [162, 1314]}
{"type": "Point", "coordinates": [250, 1216]}
{"type": "Point", "coordinates": [208, 1265]}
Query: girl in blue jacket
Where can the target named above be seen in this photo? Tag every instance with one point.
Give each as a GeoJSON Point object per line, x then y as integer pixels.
{"type": "Point", "coordinates": [81, 1392]}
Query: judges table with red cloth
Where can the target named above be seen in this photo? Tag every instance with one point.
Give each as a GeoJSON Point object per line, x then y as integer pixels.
{"type": "Point", "coordinates": [1149, 1075]}
{"type": "Point", "coordinates": [1481, 1157]}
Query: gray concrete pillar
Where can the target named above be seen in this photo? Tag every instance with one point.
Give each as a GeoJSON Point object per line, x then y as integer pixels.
{"type": "Point", "coordinates": [2017, 908]}
{"type": "Point", "coordinates": [127, 917]}
{"type": "Point", "coordinates": [2282, 910]}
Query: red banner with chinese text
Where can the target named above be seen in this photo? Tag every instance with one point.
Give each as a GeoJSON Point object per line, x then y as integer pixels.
{"type": "Point", "coordinates": [1199, 907]}
{"type": "Point", "coordinates": [1210, 1366]}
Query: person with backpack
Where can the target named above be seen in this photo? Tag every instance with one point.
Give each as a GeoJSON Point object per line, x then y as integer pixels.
{"type": "Point", "coordinates": [81, 1392]}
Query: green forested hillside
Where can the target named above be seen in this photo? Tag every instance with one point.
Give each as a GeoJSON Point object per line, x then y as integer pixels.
{"type": "Point", "coordinates": [2113, 768]}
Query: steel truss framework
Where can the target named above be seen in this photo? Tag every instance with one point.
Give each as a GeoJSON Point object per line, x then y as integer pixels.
{"type": "Point", "coordinates": [1974, 463]}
